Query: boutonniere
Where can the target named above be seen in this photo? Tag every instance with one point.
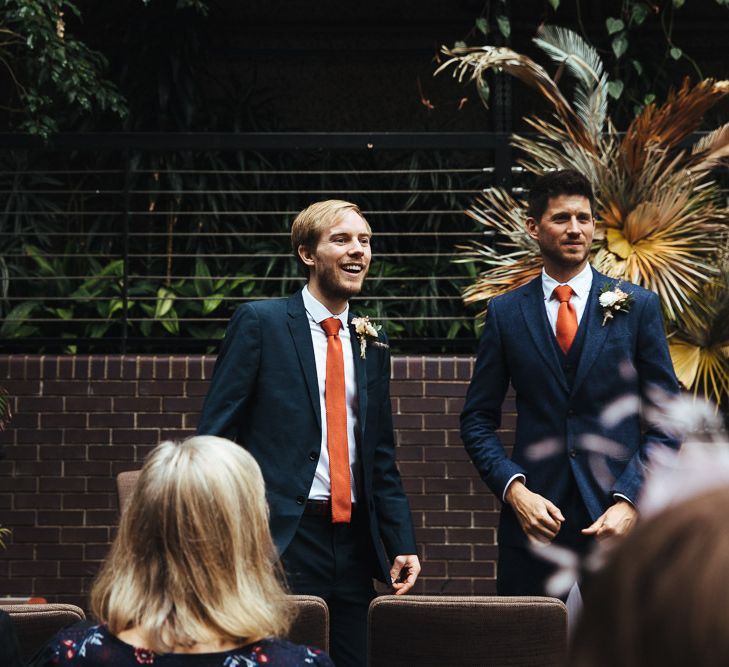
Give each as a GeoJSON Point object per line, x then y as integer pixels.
{"type": "Point", "coordinates": [365, 331]}
{"type": "Point", "coordinates": [614, 301]}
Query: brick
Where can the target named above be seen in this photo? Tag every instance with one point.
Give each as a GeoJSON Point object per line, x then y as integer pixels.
{"type": "Point", "coordinates": [62, 452]}
{"type": "Point", "coordinates": [193, 404]}
{"type": "Point", "coordinates": [15, 552]}
{"type": "Point", "coordinates": [102, 517]}
{"type": "Point", "coordinates": [148, 404]}
{"type": "Point", "coordinates": [433, 568]}
{"type": "Point", "coordinates": [412, 486]}
{"type": "Point", "coordinates": [68, 551]}
{"type": "Point", "coordinates": [431, 369]}
{"type": "Point", "coordinates": [447, 369]}
{"type": "Point", "coordinates": [35, 535]}
{"type": "Point", "coordinates": [78, 568]}
{"type": "Point", "coordinates": [129, 368]}
{"type": "Point", "coordinates": [461, 485]}
{"type": "Point", "coordinates": [417, 469]}
{"type": "Point", "coordinates": [470, 536]}
{"type": "Point", "coordinates": [60, 517]}
{"type": "Point", "coordinates": [65, 484]}
{"type": "Point", "coordinates": [486, 586]}
{"type": "Point", "coordinates": [422, 437]}
{"type": "Point", "coordinates": [111, 420]}
{"type": "Point", "coordinates": [456, 587]}
{"type": "Point", "coordinates": [409, 452]}
{"type": "Point", "coordinates": [45, 586]}
{"type": "Point", "coordinates": [139, 436]}
{"type": "Point", "coordinates": [113, 388]}
{"type": "Point", "coordinates": [486, 519]}
{"type": "Point", "coordinates": [113, 452]}
{"type": "Point", "coordinates": [97, 368]}
{"type": "Point", "coordinates": [442, 421]}
{"type": "Point", "coordinates": [162, 368]}
{"type": "Point", "coordinates": [461, 469]}
{"type": "Point", "coordinates": [63, 420]}
{"type": "Point", "coordinates": [485, 552]}
{"type": "Point", "coordinates": [175, 434]}
{"type": "Point", "coordinates": [39, 404]}
{"type": "Point", "coordinates": [67, 388]}
{"type": "Point", "coordinates": [446, 389]}
{"type": "Point", "coordinates": [18, 517]}
{"type": "Point", "coordinates": [178, 368]}
{"type": "Point", "coordinates": [195, 368]}
{"type": "Point", "coordinates": [427, 535]}
{"type": "Point", "coordinates": [208, 366]}
{"type": "Point", "coordinates": [88, 404]}
{"type": "Point", "coordinates": [412, 421]}
{"type": "Point", "coordinates": [24, 419]}
{"type": "Point", "coordinates": [37, 500]}
{"type": "Point", "coordinates": [22, 453]}
{"type": "Point", "coordinates": [65, 368]}
{"type": "Point", "coordinates": [38, 468]}
{"type": "Point", "coordinates": [160, 388]}
{"type": "Point", "coordinates": [38, 437]}
{"type": "Point", "coordinates": [16, 484]}
{"type": "Point", "coordinates": [86, 436]}
{"type": "Point", "coordinates": [447, 552]}
{"type": "Point", "coordinates": [23, 387]}
{"type": "Point", "coordinates": [146, 368]}
{"type": "Point", "coordinates": [88, 468]}
{"type": "Point", "coordinates": [423, 405]}
{"type": "Point", "coordinates": [407, 388]}
{"type": "Point", "coordinates": [435, 518]}
{"type": "Point", "coordinates": [86, 500]}
{"type": "Point", "coordinates": [101, 484]}
{"type": "Point", "coordinates": [84, 534]}
{"type": "Point", "coordinates": [114, 368]}
{"type": "Point", "coordinates": [196, 388]}
{"type": "Point", "coordinates": [97, 552]}
{"type": "Point", "coordinates": [427, 502]}
{"type": "Point", "coordinates": [478, 501]}
{"type": "Point", "coordinates": [169, 420]}
{"type": "Point", "coordinates": [446, 453]}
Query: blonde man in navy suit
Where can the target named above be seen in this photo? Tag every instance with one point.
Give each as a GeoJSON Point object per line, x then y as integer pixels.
{"type": "Point", "coordinates": [269, 393]}
{"type": "Point", "coordinates": [566, 363]}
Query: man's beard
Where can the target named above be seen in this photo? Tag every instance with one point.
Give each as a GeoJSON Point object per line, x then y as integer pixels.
{"type": "Point", "coordinates": [335, 289]}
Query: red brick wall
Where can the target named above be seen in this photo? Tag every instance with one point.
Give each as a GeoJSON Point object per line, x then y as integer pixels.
{"type": "Point", "coordinates": [78, 421]}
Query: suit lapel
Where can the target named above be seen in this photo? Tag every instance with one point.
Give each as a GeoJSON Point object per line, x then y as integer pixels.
{"type": "Point", "coordinates": [595, 334]}
{"type": "Point", "coordinates": [535, 317]}
{"type": "Point", "coordinates": [360, 371]}
{"type": "Point", "coordinates": [298, 324]}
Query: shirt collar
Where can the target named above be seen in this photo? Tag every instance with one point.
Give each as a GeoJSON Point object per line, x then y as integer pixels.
{"type": "Point", "coordinates": [580, 284]}
{"type": "Point", "coordinates": [318, 312]}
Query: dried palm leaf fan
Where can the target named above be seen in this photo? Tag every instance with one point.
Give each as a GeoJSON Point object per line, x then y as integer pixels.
{"type": "Point", "coordinates": [661, 216]}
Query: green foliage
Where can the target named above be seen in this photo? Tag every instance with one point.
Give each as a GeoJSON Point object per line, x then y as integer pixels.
{"type": "Point", "coordinates": [50, 73]}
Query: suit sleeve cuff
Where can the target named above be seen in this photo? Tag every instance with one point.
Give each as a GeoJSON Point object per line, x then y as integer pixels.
{"type": "Point", "coordinates": [518, 476]}
{"type": "Point", "coordinates": [620, 496]}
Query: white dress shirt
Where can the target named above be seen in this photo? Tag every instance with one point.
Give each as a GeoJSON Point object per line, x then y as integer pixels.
{"type": "Point", "coordinates": [316, 312]}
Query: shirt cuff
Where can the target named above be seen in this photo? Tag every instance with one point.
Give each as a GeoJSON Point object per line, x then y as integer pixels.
{"type": "Point", "coordinates": [508, 484]}
{"type": "Point", "coordinates": [620, 496]}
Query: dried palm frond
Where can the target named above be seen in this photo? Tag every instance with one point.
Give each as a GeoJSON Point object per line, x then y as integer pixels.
{"type": "Point", "coordinates": [708, 152]}
{"type": "Point", "coordinates": [699, 343]}
{"type": "Point", "coordinates": [583, 62]}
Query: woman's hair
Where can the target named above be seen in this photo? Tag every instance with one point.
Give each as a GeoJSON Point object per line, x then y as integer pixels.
{"type": "Point", "coordinates": [193, 560]}
{"type": "Point", "coordinates": [663, 597]}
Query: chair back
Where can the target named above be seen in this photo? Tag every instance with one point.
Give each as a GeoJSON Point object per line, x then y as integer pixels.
{"type": "Point", "coordinates": [479, 631]}
{"type": "Point", "coordinates": [311, 625]}
{"type": "Point", "coordinates": [125, 483]}
{"type": "Point", "coordinates": [35, 624]}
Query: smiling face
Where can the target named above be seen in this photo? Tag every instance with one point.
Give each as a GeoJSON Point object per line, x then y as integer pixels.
{"type": "Point", "coordinates": [564, 234]}
{"type": "Point", "coordinates": [340, 261]}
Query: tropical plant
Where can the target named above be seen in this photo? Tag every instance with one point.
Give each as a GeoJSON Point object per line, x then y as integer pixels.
{"type": "Point", "coordinates": [5, 413]}
{"type": "Point", "coordinates": [661, 217]}
{"type": "Point", "coordinates": [4, 532]}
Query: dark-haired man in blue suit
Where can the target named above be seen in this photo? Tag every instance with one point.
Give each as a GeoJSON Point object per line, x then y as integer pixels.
{"type": "Point", "coordinates": [576, 471]}
{"type": "Point", "coordinates": [307, 391]}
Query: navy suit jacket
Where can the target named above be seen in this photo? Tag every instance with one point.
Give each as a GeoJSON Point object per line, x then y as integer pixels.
{"type": "Point", "coordinates": [625, 357]}
{"type": "Point", "coordinates": [264, 395]}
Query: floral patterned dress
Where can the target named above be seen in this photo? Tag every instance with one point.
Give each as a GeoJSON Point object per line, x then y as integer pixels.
{"type": "Point", "coordinates": [95, 645]}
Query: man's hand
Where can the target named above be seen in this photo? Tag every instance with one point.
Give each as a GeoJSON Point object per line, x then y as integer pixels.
{"type": "Point", "coordinates": [539, 518]}
{"type": "Point", "coordinates": [616, 520]}
{"type": "Point", "coordinates": [404, 572]}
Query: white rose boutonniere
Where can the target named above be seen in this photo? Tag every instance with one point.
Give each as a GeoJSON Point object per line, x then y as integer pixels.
{"type": "Point", "coordinates": [366, 330]}
{"type": "Point", "coordinates": [614, 301]}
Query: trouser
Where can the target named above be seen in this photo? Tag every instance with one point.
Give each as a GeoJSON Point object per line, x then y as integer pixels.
{"type": "Point", "coordinates": [335, 562]}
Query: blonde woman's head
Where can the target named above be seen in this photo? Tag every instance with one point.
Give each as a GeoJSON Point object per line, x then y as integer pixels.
{"type": "Point", "coordinates": [193, 560]}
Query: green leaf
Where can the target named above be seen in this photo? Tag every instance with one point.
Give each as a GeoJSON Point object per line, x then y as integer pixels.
{"type": "Point", "coordinates": [555, 4]}
{"type": "Point", "coordinates": [639, 13]}
{"type": "Point", "coordinates": [614, 25]}
{"type": "Point", "coordinates": [170, 323]}
{"type": "Point", "coordinates": [649, 99]}
{"type": "Point", "coordinates": [615, 89]}
{"type": "Point", "coordinates": [637, 66]}
{"type": "Point", "coordinates": [165, 299]}
{"type": "Point", "coordinates": [484, 92]}
{"type": "Point", "coordinates": [676, 53]}
{"type": "Point", "coordinates": [504, 25]}
{"type": "Point", "coordinates": [63, 313]}
{"type": "Point", "coordinates": [14, 324]}
{"type": "Point", "coordinates": [678, 3]}
{"type": "Point", "coordinates": [483, 25]}
{"type": "Point", "coordinates": [620, 45]}
{"type": "Point", "coordinates": [203, 284]}
{"type": "Point", "coordinates": [209, 305]}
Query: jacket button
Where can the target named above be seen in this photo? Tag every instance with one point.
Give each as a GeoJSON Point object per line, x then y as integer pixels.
{"type": "Point", "coordinates": [313, 456]}
{"type": "Point", "coordinates": [300, 500]}
{"type": "Point", "coordinates": [573, 453]}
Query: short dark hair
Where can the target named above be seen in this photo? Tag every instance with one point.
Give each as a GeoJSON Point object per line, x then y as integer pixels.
{"type": "Point", "coordinates": [554, 184]}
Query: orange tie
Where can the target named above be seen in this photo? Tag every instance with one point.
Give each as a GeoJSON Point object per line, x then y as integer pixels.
{"type": "Point", "coordinates": [336, 407]}
{"type": "Point", "coordinates": [566, 317]}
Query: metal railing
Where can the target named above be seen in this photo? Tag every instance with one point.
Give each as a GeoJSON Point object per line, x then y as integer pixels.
{"type": "Point", "coordinates": [147, 242]}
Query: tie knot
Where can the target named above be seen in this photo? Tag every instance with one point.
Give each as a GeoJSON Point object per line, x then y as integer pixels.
{"type": "Point", "coordinates": [331, 326]}
{"type": "Point", "coordinates": [563, 293]}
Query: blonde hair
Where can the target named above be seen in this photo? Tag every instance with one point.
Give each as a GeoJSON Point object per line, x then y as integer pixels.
{"type": "Point", "coordinates": [308, 226]}
{"type": "Point", "coordinates": [194, 560]}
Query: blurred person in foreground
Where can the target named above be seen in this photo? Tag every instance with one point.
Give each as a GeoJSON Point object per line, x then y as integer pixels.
{"type": "Point", "coordinates": [304, 386]}
{"type": "Point", "coordinates": [190, 579]}
{"type": "Point", "coordinates": [662, 600]}
{"type": "Point", "coordinates": [572, 342]}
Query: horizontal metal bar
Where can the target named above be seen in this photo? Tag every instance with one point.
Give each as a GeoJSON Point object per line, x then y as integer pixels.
{"type": "Point", "coordinates": [280, 141]}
